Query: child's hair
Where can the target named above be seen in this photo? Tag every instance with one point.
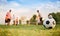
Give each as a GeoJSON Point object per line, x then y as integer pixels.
{"type": "Point", "coordinates": [10, 10]}
{"type": "Point", "coordinates": [49, 14]}
{"type": "Point", "coordinates": [37, 10]}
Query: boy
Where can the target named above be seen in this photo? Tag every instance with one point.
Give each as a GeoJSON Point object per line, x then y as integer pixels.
{"type": "Point", "coordinates": [8, 17]}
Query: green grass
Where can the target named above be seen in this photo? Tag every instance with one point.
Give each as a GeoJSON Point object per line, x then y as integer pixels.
{"type": "Point", "coordinates": [28, 30]}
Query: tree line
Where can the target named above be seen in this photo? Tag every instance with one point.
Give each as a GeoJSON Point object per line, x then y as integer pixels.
{"type": "Point", "coordinates": [56, 16]}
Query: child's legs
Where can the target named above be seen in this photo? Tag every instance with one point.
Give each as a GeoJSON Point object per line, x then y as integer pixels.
{"type": "Point", "coordinates": [9, 21]}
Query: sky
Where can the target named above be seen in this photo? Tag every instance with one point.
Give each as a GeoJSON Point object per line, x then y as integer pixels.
{"type": "Point", "coordinates": [28, 7]}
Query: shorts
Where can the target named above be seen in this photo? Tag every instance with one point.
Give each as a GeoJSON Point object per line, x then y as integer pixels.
{"type": "Point", "coordinates": [40, 19]}
{"type": "Point", "coordinates": [8, 20]}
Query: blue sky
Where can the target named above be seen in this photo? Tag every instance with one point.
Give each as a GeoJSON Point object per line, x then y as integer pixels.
{"type": "Point", "coordinates": [29, 2]}
{"type": "Point", "coordinates": [28, 7]}
{"type": "Point", "coordinates": [32, 2]}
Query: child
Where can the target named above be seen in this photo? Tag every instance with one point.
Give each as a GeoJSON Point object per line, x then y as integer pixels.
{"type": "Point", "coordinates": [13, 19]}
{"type": "Point", "coordinates": [8, 17]}
{"type": "Point", "coordinates": [38, 18]}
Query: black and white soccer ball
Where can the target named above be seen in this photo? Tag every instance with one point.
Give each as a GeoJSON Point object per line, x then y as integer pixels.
{"type": "Point", "coordinates": [49, 23]}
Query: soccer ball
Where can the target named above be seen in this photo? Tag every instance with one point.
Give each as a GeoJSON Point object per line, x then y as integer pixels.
{"type": "Point", "coordinates": [49, 23]}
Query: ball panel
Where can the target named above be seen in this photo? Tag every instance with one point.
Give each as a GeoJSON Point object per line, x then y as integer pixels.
{"type": "Point", "coordinates": [47, 22]}
{"type": "Point", "coordinates": [50, 27]}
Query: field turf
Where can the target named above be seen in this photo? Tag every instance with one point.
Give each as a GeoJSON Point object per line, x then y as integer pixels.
{"type": "Point", "coordinates": [28, 30]}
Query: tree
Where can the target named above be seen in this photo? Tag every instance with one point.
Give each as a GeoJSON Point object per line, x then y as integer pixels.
{"type": "Point", "coordinates": [27, 21]}
{"type": "Point", "coordinates": [33, 19]}
{"type": "Point", "coordinates": [56, 16]}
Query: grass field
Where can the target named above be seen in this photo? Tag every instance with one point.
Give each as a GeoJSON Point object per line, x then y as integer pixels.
{"type": "Point", "coordinates": [28, 30]}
